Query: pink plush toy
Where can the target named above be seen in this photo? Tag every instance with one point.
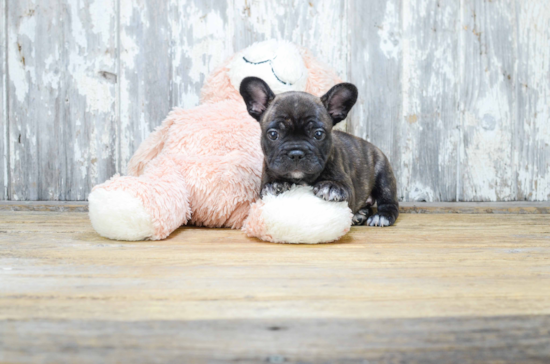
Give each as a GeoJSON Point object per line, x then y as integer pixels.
{"type": "Point", "coordinates": [202, 166]}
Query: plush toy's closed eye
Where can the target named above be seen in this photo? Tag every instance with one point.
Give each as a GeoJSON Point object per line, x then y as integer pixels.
{"type": "Point", "coordinates": [299, 217]}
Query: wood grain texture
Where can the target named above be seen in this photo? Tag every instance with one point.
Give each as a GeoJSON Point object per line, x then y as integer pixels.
{"type": "Point", "coordinates": [507, 339]}
{"type": "Point", "coordinates": [431, 289]}
{"type": "Point", "coordinates": [55, 206]}
{"type": "Point", "coordinates": [429, 137]}
{"type": "Point", "coordinates": [487, 101]}
{"type": "Point", "coordinates": [4, 164]}
{"type": "Point", "coordinates": [376, 69]}
{"type": "Point", "coordinates": [454, 92]}
{"type": "Point", "coordinates": [202, 38]}
{"type": "Point", "coordinates": [145, 72]}
{"type": "Point", "coordinates": [518, 207]}
{"type": "Point", "coordinates": [61, 63]}
{"type": "Point", "coordinates": [532, 84]}
{"type": "Point", "coordinates": [441, 265]}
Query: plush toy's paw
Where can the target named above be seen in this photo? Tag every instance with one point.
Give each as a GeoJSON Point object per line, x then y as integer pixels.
{"type": "Point", "coordinates": [380, 219]}
{"type": "Point", "coordinates": [330, 191]}
{"type": "Point", "coordinates": [275, 188]}
{"type": "Point", "coordinates": [119, 215]}
{"type": "Point", "coordinates": [361, 216]}
{"type": "Point", "coordinates": [298, 217]}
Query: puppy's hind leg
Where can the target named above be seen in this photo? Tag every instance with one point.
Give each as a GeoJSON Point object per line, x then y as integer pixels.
{"type": "Point", "coordinates": [385, 194]}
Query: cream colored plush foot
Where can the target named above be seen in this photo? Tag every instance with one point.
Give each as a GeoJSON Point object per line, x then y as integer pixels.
{"type": "Point", "coordinates": [120, 216]}
{"type": "Point", "coordinates": [298, 216]}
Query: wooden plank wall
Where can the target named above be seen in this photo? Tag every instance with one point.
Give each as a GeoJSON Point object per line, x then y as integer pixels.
{"type": "Point", "coordinates": [456, 93]}
{"type": "Point", "coordinates": [3, 105]}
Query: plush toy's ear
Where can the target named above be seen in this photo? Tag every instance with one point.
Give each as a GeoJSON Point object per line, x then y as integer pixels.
{"type": "Point", "coordinates": [257, 95]}
{"type": "Point", "coordinates": [339, 100]}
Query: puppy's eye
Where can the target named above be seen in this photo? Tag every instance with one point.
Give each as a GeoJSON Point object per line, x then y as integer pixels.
{"type": "Point", "coordinates": [272, 134]}
{"type": "Point", "coordinates": [319, 134]}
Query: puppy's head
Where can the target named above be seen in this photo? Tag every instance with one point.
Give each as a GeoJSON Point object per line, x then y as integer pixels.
{"type": "Point", "coordinates": [296, 126]}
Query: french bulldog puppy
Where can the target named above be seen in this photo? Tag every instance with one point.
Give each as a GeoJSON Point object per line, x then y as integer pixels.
{"type": "Point", "coordinates": [300, 147]}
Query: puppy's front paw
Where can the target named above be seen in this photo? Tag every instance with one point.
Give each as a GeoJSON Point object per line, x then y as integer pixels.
{"type": "Point", "coordinates": [330, 191]}
{"type": "Point", "coordinates": [275, 188]}
{"type": "Point", "coordinates": [380, 219]}
{"type": "Point", "coordinates": [361, 216]}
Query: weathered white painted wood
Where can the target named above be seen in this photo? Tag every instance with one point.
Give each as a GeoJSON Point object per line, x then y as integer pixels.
{"type": "Point", "coordinates": [35, 62]}
{"type": "Point", "coordinates": [202, 37]}
{"type": "Point", "coordinates": [429, 135]}
{"type": "Point", "coordinates": [4, 177]}
{"type": "Point", "coordinates": [376, 70]}
{"type": "Point", "coordinates": [455, 93]}
{"type": "Point", "coordinates": [487, 101]}
{"type": "Point", "coordinates": [167, 51]}
{"type": "Point", "coordinates": [532, 85]}
{"type": "Point", "coordinates": [145, 71]}
{"type": "Point", "coordinates": [62, 83]}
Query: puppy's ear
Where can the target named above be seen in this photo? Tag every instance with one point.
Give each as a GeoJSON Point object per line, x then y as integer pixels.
{"type": "Point", "coordinates": [257, 95]}
{"type": "Point", "coordinates": [339, 100]}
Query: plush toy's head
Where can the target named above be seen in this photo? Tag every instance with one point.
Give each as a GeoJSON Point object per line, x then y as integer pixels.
{"type": "Point", "coordinates": [279, 63]}
{"type": "Point", "coordinates": [283, 65]}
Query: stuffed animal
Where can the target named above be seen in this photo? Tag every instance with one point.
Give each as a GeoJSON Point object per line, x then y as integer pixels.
{"type": "Point", "coordinates": [202, 166]}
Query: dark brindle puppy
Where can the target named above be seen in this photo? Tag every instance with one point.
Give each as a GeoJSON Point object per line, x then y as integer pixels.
{"type": "Point", "coordinates": [301, 148]}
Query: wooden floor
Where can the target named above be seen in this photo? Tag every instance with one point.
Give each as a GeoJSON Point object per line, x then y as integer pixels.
{"type": "Point", "coordinates": [434, 288]}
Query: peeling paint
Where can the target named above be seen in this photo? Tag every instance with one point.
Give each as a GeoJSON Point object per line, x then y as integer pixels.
{"type": "Point", "coordinates": [420, 193]}
{"type": "Point", "coordinates": [4, 140]}
{"type": "Point", "coordinates": [97, 93]}
{"type": "Point", "coordinates": [489, 102]}
{"type": "Point", "coordinates": [390, 41]}
{"type": "Point", "coordinates": [200, 45]}
{"type": "Point", "coordinates": [18, 74]}
{"type": "Point", "coordinates": [58, 97]}
{"type": "Point", "coordinates": [99, 22]}
{"type": "Point", "coordinates": [455, 93]}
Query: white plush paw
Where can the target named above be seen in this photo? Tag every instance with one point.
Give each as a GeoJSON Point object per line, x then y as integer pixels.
{"type": "Point", "coordinates": [299, 217]}
{"type": "Point", "coordinates": [119, 215]}
{"type": "Point", "coordinates": [378, 220]}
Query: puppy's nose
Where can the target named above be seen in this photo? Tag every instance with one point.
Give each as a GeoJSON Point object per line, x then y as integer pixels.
{"type": "Point", "coordinates": [296, 155]}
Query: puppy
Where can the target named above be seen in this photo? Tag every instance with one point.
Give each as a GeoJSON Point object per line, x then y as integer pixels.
{"type": "Point", "coordinates": [300, 147]}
